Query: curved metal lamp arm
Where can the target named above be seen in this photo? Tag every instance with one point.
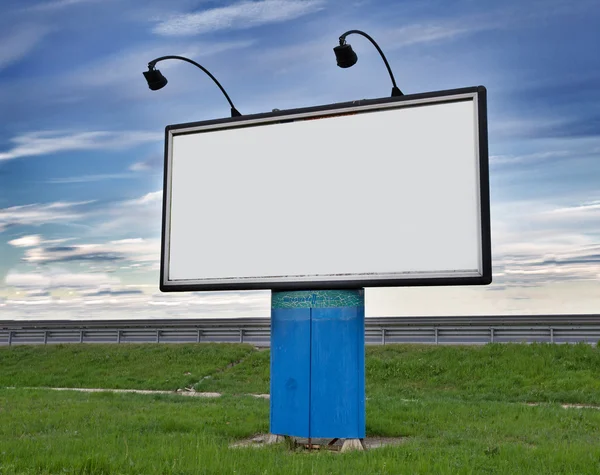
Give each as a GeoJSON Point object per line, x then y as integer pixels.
{"type": "Point", "coordinates": [395, 89]}
{"type": "Point", "coordinates": [234, 111]}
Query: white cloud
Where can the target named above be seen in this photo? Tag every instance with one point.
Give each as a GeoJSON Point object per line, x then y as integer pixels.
{"type": "Point", "coordinates": [58, 5]}
{"type": "Point", "coordinates": [139, 167]}
{"type": "Point", "coordinates": [89, 178]}
{"type": "Point", "coordinates": [136, 250]}
{"type": "Point", "coordinates": [239, 15]}
{"type": "Point", "coordinates": [529, 157]}
{"type": "Point", "coordinates": [154, 162]}
{"type": "Point", "coordinates": [26, 241]}
{"type": "Point", "coordinates": [35, 240]}
{"type": "Point", "coordinates": [142, 214]}
{"type": "Point", "coordinates": [68, 295]}
{"type": "Point", "coordinates": [536, 275]}
{"type": "Point", "coordinates": [216, 304]}
{"type": "Point", "coordinates": [20, 43]}
{"type": "Point", "coordinates": [427, 33]}
{"type": "Point", "coordinates": [538, 242]}
{"type": "Point", "coordinates": [59, 279]}
{"type": "Point", "coordinates": [37, 293]}
{"type": "Point", "coordinates": [148, 198]}
{"type": "Point", "coordinates": [38, 214]}
{"type": "Point", "coordinates": [585, 210]}
{"type": "Point", "coordinates": [111, 292]}
{"type": "Point", "coordinates": [49, 142]}
{"type": "Point", "coordinates": [26, 280]}
{"type": "Point", "coordinates": [551, 298]}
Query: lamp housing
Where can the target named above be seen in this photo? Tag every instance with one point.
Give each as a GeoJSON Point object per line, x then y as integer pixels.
{"type": "Point", "coordinates": [345, 55]}
{"type": "Point", "coordinates": [155, 79]}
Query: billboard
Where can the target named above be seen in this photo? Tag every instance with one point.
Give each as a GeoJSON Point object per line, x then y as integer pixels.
{"type": "Point", "coordinates": [383, 192]}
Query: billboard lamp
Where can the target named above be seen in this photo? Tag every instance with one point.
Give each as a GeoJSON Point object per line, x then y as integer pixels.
{"type": "Point", "coordinates": [346, 57]}
{"type": "Point", "coordinates": [157, 81]}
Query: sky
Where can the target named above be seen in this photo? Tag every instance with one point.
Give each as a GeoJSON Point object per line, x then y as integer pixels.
{"type": "Point", "coordinates": [81, 138]}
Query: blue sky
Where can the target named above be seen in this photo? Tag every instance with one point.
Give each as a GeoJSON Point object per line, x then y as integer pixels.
{"type": "Point", "coordinates": [81, 137]}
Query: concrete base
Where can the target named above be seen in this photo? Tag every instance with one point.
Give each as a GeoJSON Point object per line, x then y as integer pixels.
{"type": "Point", "coordinates": [274, 439]}
{"type": "Point", "coordinates": [347, 446]}
{"type": "Point", "coordinates": [353, 444]}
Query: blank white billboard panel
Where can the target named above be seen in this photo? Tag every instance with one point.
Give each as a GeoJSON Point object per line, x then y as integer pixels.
{"type": "Point", "coordinates": [388, 192]}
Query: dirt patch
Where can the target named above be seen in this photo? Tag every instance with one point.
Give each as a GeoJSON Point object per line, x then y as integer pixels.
{"type": "Point", "coordinates": [579, 406]}
{"type": "Point", "coordinates": [135, 391]}
{"type": "Point", "coordinates": [300, 444]}
{"type": "Point", "coordinates": [179, 392]}
{"type": "Point", "coordinates": [565, 406]}
{"type": "Point", "coordinates": [261, 396]}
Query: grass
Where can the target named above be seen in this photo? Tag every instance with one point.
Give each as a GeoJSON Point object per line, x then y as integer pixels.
{"type": "Point", "coordinates": [58, 432]}
{"type": "Point", "coordinates": [506, 372]}
{"type": "Point", "coordinates": [159, 366]}
{"type": "Point", "coordinates": [47, 432]}
{"type": "Point", "coordinates": [459, 409]}
{"type": "Point", "coordinates": [251, 376]}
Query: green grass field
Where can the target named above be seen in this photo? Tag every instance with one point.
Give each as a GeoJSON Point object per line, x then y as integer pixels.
{"type": "Point", "coordinates": [460, 410]}
{"type": "Point", "coordinates": [115, 366]}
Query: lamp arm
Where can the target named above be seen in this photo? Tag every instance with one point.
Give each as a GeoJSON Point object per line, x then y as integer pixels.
{"type": "Point", "coordinates": [151, 64]}
{"type": "Point", "coordinates": [343, 41]}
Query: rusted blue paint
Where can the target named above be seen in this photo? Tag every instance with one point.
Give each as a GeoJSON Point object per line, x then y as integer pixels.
{"type": "Point", "coordinates": [317, 299]}
{"type": "Point", "coordinates": [317, 364]}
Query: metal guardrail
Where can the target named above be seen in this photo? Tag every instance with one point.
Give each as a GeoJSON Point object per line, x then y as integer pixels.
{"type": "Point", "coordinates": [256, 331]}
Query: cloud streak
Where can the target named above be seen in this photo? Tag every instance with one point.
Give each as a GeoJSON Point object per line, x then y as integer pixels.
{"type": "Point", "coordinates": [123, 70]}
{"type": "Point", "coordinates": [154, 162]}
{"type": "Point", "coordinates": [59, 279]}
{"type": "Point", "coordinates": [90, 178]}
{"type": "Point", "coordinates": [58, 5]}
{"type": "Point", "coordinates": [542, 243]}
{"type": "Point", "coordinates": [238, 16]}
{"type": "Point", "coordinates": [137, 250]}
{"type": "Point", "coordinates": [590, 210]}
{"type": "Point", "coordinates": [142, 214]}
{"type": "Point", "coordinates": [51, 142]}
{"type": "Point", "coordinates": [39, 214]}
{"type": "Point", "coordinates": [20, 43]}
{"type": "Point", "coordinates": [420, 33]}
{"type": "Point", "coordinates": [26, 241]}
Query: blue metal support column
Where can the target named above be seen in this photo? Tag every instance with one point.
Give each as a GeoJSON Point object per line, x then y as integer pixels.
{"type": "Point", "coordinates": [317, 364]}
{"type": "Point", "coordinates": [290, 367]}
